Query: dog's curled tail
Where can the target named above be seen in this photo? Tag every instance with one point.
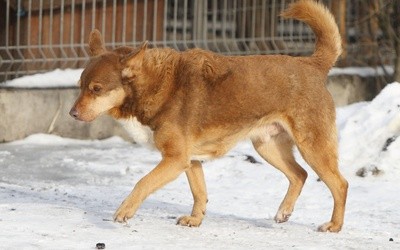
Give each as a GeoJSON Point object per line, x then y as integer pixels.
{"type": "Point", "coordinates": [328, 46]}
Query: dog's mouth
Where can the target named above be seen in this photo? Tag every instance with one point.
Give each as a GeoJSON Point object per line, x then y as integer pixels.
{"type": "Point", "coordinates": [79, 119]}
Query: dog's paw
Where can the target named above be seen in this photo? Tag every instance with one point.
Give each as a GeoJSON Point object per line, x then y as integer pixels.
{"type": "Point", "coordinates": [282, 216]}
{"type": "Point", "coordinates": [189, 221]}
{"type": "Point", "coordinates": [330, 227]}
{"type": "Point", "coordinates": [123, 214]}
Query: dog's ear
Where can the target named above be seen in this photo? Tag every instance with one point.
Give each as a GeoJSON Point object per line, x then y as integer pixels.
{"type": "Point", "coordinates": [131, 63]}
{"type": "Point", "coordinates": [136, 56]}
{"type": "Point", "coordinates": [96, 43]}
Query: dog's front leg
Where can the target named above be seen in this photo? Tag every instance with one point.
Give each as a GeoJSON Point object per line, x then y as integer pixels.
{"type": "Point", "coordinates": [197, 184]}
{"type": "Point", "coordinates": [166, 171]}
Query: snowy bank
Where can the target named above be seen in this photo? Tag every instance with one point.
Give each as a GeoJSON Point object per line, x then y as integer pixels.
{"type": "Point", "coordinates": [369, 133]}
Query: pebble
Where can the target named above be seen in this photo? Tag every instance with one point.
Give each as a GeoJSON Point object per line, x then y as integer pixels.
{"type": "Point", "coordinates": [100, 246]}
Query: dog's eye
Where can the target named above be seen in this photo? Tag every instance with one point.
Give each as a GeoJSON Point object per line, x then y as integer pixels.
{"type": "Point", "coordinates": [96, 89]}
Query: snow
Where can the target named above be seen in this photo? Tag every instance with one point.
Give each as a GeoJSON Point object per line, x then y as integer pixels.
{"type": "Point", "coordinates": [60, 193]}
{"type": "Point", "coordinates": [365, 129]}
{"type": "Point", "coordinates": [58, 78]}
{"type": "Point", "coordinates": [363, 71]}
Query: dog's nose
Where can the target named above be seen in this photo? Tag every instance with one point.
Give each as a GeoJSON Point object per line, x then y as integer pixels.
{"type": "Point", "coordinates": [74, 113]}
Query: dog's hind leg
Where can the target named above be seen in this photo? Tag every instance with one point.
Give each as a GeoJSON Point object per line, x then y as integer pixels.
{"type": "Point", "coordinates": [278, 151]}
{"type": "Point", "coordinates": [319, 150]}
{"type": "Point", "coordinates": [197, 184]}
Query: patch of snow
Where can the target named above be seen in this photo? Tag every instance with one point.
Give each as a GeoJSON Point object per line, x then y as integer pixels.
{"type": "Point", "coordinates": [48, 139]}
{"type": "Point", "coordinates": [54, 79]}
{"type": "Point", "coordinates": [362, 71]}
{"type": "Point", "coordinates": [365, 129]}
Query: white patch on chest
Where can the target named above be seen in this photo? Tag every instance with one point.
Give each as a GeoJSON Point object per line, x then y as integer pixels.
{"type": "Point", "coordinates": [140, 134]}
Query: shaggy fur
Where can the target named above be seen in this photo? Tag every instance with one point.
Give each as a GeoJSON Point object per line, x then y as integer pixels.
{"type": "Point", "coordinates": [198, 105]}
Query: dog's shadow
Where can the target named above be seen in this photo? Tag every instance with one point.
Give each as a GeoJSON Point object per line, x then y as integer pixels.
{"type": "Point", "coordinates": [172, 211]}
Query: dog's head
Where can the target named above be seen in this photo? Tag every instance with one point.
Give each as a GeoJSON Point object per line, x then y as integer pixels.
{"type": "Point", "coordinates": [101, 84]}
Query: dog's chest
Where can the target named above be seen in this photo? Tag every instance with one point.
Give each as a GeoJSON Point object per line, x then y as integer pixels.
{"type": "Point", "coordinates": [140, 134]}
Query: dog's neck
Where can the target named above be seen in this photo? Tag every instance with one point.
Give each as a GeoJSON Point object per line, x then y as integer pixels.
{"type": "Point", "coordinates": [148, 91]}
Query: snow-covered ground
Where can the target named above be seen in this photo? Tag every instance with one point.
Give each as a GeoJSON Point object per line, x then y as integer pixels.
{"type": "Point", "coordinates": [59, 193]}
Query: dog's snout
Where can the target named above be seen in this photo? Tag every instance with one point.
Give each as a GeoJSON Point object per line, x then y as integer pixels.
{"type": "Point", "coordinates": [74, 113]}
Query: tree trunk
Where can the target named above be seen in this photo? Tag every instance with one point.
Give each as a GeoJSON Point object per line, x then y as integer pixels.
{"type": "Point", "coordinates": [396, 74]}
{"type": "Point", "coordinates": [338, 8]}
{"type": "Point", "coordinates": [396, 39]}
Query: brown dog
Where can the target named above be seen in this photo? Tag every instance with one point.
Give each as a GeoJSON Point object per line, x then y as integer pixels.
{"type": "Point", "coordinates": [198, 105]}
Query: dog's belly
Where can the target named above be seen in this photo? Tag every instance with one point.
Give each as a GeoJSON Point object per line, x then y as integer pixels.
{"type": "Point", "coordinates": [214, 144]}
{"type": "Point", "coordinates": [217, 147]}
{"type": "Point", "coordinates": [210, 150]}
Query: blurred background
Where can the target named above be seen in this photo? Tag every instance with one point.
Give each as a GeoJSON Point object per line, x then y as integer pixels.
{"type": "Point", "coordinates": [41, 35]}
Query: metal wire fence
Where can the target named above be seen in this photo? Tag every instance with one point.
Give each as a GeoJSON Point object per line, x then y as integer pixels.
{"type": "Point", "coordinates": [41, 35]}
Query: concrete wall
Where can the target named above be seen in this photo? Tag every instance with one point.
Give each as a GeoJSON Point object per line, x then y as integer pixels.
{"type": "Point", "coordinates": [27, 111]}
{"type": "Point", "coordinates": [347, 89]}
